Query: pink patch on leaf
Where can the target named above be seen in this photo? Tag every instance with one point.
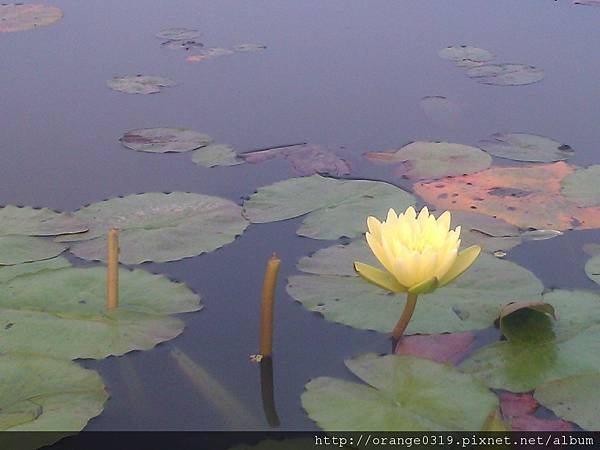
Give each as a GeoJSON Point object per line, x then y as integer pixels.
{"type": "Point", "coordinates": [442, 348]}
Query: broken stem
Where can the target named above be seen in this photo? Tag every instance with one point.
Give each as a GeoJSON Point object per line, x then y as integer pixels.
{"type": "Point", "coordinates": [112, 273]}
{"type": "Point", "coordinates": [276, 147]}
{"type": "Point", "coordinates": [266, 311]}
{"type": "Point", "coordinates": [409, 309]}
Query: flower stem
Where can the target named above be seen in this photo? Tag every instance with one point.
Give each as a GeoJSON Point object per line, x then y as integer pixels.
{"type": "Point", "coordinates": [409, 309]}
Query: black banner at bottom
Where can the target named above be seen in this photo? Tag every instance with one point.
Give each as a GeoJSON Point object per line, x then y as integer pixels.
{"type": "Point", "coordinates": [268, 440]}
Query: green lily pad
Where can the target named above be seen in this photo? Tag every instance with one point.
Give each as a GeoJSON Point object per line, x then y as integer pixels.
{"type": "Point", "coordinates": [43, 394]}
{"type": "Point", "coordinates": [27, 221]}
{"type": "Point", "coordinates": [575, 398]}
{"type": "Point", "coordinates": [592, 269]}
{"type": "Point", "coordinates": [527, 321]}
{"type": "Point", "coordinates": [433, 160]}
{"type": "Point", "coordinates": [19, 17]}
{"type": "Point", "coordinates": [159, 227]}
{"type": "Point", "coordinates": [465, 52]}
{"type": "Point", "coordinates": [581, 186]}
{"type": "Point", "coordinates": [21, 249]}
{"type": "Point", "coordinates": [559, 349]}
{"type": "Point", "coordinates": [9, 272]}
{"type": "Point", "coordinates": [164, 140]}
{"type": "Point", "coordinates": [526, 147]}
{"type": "Point", "coordinates": [335, 207]}
{"type": "Point", "coordinates": [61, 312]}
{"type": "Point", "coordinates": [138, 84]}
{"type": "Point", "coordinates": [216, 155]}
{"type": "Point", "coordinates": [506, 74]}
{"type": "Point", "coordinates": [178, 34]}
{"type": "Point", "coordinates": [399, 393]}
{"type": "Point", "coordinates": [473, 301]}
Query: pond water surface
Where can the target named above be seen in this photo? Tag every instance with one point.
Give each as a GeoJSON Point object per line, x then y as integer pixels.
{"type": "Point", "coordinates": [347, 73]}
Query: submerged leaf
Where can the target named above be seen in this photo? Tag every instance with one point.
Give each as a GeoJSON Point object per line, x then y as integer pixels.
{"type": "Point", "coordinates": [471, 302]}
{"type": "Point", "coordinates": [164, 140]}
{"type": "Point", "coordinates": [19, 17]}
{"type": "Point", "coordinates": [336, 207]}
{"type": "Point", "coordinates": [432, 160]}
{"type": "Point", "coordinates": [526, 147]}
{"type": "Point", "coordinates": [399, 393]}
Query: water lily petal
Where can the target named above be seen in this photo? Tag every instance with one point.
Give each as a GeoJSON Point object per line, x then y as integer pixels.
{"type": "Point", "coordinates": [463, 261]}
{"type": "Point", "coordinates": [425, 287]}
{"type": "Point", "coordinates": [378, 277]}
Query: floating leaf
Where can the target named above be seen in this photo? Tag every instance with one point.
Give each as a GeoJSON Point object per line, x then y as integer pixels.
{"type": "Point", "coordinates": [592, 269]}
{"type": "Point", "coordinates": [337, 207]}
{"type": "Point", "coordinates": [9, 272]}
{"type": "Point", "coordinates": [569, 349]}
{"type": "Point", "coordinates": [441, 347]}
{"type": "Point", "coordinates": [306, 159]}
{"type": "Point", "coordinates": [27, 221]}
{"type": "Point", "coordinates": [21, 249]}
{"type": "Point", "coordinates": [399, 392]}
{"type": "Point", "coordinates": [209, 53]}
{"type": "Point", "coordinates": [432, 160]}
{"type": "Point", "coordinates": [465, 52]}
{"type": "Point", "coordinates": [470, 302]}
{"type": "Point", "coordinates": [249, 47]}
{"type": "Point", "coordinates": [178, 34]}
{"type": "Point", "coordinates": [506, 74]}
{"type": "Point", "coordinates": [440, 110]}
{"type": "Point", "coordinates": [43, 394]}
{"type": "Point", "coordinates": [527, 196]}
{"type": "Point", "coordinates": [491, 234]}
{"type": "Point", "coordinates": [526, 147]}
{"type": "Point", "coordinates": [61, 312]}
{"type": "Point", "coordinates": [164, 140]}
{"type": "Point", "coordinates": [575, 398]}
{"type": "Point", "coordinates": [581, 186]}
{"type": "Point", "coordinates": [19, 17]}
{"type": "Point", "coordinates": [159, 227]}
{"type": "Point", "coordinates": [182, 44]}
{"type": "Point", "coordinates": [216, 155]}
{"type": "Point", "coordinates": [540, 235]}
{"type": "Point", "coordinates": [518, 411]}
{"type": "Point", "coordinates": [138, 84]}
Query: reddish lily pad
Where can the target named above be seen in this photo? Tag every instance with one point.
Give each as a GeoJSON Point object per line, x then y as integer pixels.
{"type": "Point", "coordinates": [526, 196]}
{"type": "Point", "coordinates": [164, 140]}
{"type": "Point", "coordinates": [306, 159]}
{"type": "Point", "coordinates": [442, 347]}
{"type": "Point", "coordinates": [433, 160]}
{"type": "Point", "coordinates": [518, 411]}
{"type": "Point", "coordinates": [19, 17]}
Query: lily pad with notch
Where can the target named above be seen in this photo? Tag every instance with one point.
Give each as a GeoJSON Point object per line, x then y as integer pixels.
{"type": "Point", "coordinates": [399, 393]}
{"type": "Point", "coordinates": [433, 160]}
{"type": "Point", "coordinates": [526, 147]}
{"type": "Point", "coordinates": [331, 287]}
{"type": "Point", "coordinates": [334, 208]}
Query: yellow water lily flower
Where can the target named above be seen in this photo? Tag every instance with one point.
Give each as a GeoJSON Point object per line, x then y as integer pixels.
{"type": "Point", "coordinates": [419, 252]}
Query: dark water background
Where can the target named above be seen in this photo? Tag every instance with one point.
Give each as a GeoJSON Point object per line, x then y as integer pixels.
{"type": "Point", "coordinates": [337, 72]}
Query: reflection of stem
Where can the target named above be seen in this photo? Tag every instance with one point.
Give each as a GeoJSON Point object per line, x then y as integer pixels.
{"type": "Point", "coordinates": [409, 309]}
{"type": "Point", "coordinates": [267, 388]}
{"type": "Point", "coordinates": [266, 312]}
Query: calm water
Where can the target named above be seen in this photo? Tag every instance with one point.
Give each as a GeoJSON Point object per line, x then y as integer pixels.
{"type": "Point", "coordinates": [338, 72]}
